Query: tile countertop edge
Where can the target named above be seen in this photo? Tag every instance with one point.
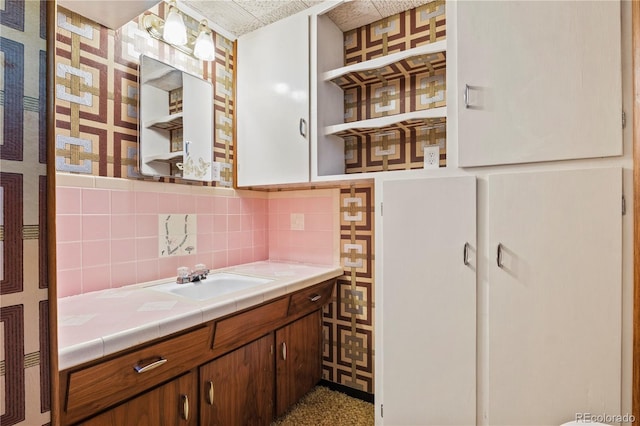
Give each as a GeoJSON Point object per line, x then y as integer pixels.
{"type": "Point", "coordinates": [93, 349]}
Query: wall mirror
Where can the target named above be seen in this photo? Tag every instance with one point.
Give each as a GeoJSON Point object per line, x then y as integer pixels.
{"type": "Point", "coordinates": [175, 128]}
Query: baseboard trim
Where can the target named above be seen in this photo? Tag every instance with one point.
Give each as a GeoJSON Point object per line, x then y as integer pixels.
{"type": "Point", "coordinates": [355, 393]}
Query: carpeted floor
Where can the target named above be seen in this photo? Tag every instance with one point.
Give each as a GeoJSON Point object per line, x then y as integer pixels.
{"type": "Point", "coordinates": [322, 406]}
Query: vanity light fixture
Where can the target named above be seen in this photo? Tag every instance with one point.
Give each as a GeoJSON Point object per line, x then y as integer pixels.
{"type": "Point", "coordinates": [185, 38]}
{"type": "Point", "coordinates": [204, 48]}
{"type": "Point", "coordinates": [174, 32]}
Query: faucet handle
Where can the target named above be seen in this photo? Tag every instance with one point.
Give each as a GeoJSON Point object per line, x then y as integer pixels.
{"type": "Point", "coordinates": [184, 275]}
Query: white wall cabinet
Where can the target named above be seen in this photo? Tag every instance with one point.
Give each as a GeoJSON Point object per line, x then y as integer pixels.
{"type": "Point", "coordinates": [273, 103]}
{"type": "Point", "coordinates": [537, 81]}
{"type": "Point", "coordinates": [428, 302]}
{"type": "Point", "coordinates": [554, 305]}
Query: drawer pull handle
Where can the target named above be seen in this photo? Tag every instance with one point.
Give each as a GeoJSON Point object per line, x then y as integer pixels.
{"type": "Point", "coordinates": [315, 297]}
{"type": "Point", "coordinates": [141, 369]}
{"type": "Point", "coordinates": [499, 256]}
{"type": "Point", "coordinates": [185, 407]}
{"type": "Point", "coordinates": [210, 393]}
{"type": "Point", "coordinates": [284, 351]}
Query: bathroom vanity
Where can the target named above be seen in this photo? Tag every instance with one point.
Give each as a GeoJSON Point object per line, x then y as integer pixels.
{"type": "Point", "coordinates": [240, 358]}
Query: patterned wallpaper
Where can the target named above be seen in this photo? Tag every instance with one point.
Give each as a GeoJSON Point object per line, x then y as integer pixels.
{"type": "Point", "coordinates": [24, 306]}
{"type": "Point", "coordinates": [97, 95]}
{"type": "Point", "coordinates": [410, 85]}
{"type": "Point", "coordinates": [348, 357]}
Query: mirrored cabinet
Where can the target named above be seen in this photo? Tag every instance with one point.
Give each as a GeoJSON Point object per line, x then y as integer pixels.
{"type": "Point", "coordinates": [176, 123]}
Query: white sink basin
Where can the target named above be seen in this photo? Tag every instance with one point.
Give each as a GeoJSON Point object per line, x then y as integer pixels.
{"type": "Point", "coordinates": [214, 285]}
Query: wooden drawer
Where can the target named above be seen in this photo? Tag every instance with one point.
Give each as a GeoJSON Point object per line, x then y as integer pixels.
{"type": "Point", "coordinates": [311, 298]}
{"type": "Point", "coordinates": [100, 386]}
{"type": "Point", "coordinates": [239, 329]}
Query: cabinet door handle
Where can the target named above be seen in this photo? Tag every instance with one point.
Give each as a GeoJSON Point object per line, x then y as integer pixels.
{"type": "Point", "coordinates": [284, 351]}
{"type": "Point", "coordinates": [303, 127]}
{"type": "Point", "coordinates": [466, 95]}
{"type": "Point", "coordinates": [499, 256]}
{"type": "Point", "coordinates": [315, 297]}
{"type": "Point", "coordinates": [185, 407]}
{"type": "Point", "coordinates": [465, 254]}
{"type": "Point", "coordinates": [210, 393]}
{"type": "Point", "coordinates": [143, 368]}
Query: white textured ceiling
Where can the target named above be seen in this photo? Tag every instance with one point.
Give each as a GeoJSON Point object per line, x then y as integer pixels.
{"type": "Point", "coordinates": [242, 16]}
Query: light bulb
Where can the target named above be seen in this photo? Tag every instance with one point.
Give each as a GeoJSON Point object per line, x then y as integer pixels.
{"type": "Point", "coordinates": [204, 48]}
{"type": "Point", "coordinates": [175, 31]}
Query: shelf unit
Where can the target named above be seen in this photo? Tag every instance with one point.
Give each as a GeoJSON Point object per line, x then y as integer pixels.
{"type": "Point", "coordinates": [176, 122]}
{"type": "Point", "coordinates": [377, 95]}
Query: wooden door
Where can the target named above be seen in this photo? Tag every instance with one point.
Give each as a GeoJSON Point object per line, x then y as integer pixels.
{"type": "Point", "coordinates": [554, 326]}
{"type": "Point", "coordinates": [237, 388]}
{"type": "Point", "coordinates": [544, 81]}
{"type": "Point", "coordinates": [298, 359]}
{"type": "Point", "coordinates": [172, 404]}
{"type": "Point", "coordinates": [427, 298]}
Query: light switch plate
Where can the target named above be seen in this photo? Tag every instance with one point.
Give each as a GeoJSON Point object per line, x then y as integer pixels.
{"type": "Point", "coordinates": [215, 171]}
{"type": "Point", "coordinates": [297, 221]}
{"type": "Point", "coordinates": [431, 156]}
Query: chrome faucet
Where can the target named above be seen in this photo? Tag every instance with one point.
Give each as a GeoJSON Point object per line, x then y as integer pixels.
{"type": "Point", "coordinates": [200, 272]}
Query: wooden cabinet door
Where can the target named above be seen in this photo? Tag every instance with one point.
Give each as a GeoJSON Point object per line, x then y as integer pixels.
{"type": "Point", "coordinates": [426, 373]}
{"type": "Point", "coordinates": [554, 304]}
{"type": "Point", "coordinates": [298, 359]}
{"type": "Point", "coordinates": [172, 404]}
{"type": "Point", "coordinates": [273, 103]}
{"type": "Point", "coordinates": [544, 81]}
{"type": "Point", "coordinates": [237, 388]}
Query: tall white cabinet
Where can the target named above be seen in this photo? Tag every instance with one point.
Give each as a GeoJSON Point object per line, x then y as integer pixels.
{"type": "Point", "coordinates": [537, 81]}
{"type": "Point", "coordinates": [428, 303]}
{"type": "Point", "coordinates": [273, 103]}
{"type": "Point", "coordinates": [555, 295]}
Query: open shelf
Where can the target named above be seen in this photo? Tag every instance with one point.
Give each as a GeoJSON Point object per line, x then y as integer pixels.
{"type": "Point", "coordinates": [169, 122]}
{"type": "Point", "coordinates": [169, 157]}
{"type": "Point", "coordinates": [427, 117]}
{"type": "Point", "coordinates": [429, 57]}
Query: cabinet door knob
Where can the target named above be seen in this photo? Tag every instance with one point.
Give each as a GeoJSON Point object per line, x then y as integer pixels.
{"type": "Point", "coordinates": [143, 368]}
{"type": "Point", "coordinates": [284, 351]}
{"type": "Point", "coordinates": [185, 407]}
{"type": "Point", "coordinates": [210, 393]}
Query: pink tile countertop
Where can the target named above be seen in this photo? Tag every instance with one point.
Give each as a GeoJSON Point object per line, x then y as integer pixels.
{"type": "Point", "coordinates": [96, 324]}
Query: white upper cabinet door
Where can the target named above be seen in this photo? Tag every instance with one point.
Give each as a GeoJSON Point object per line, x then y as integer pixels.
{"type": "Point", "coordinates": [273, 103]}
{"type": "Point", "coordinates": [428, 302]}
{"type": "Point", "coordinates": [538, 81]}
{"type": "Point", "coordinates": [197, 130]}
{"type": "Point", "coordinates": [555, 302]}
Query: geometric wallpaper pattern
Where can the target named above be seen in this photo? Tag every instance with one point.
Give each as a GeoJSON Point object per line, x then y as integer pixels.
{"type": "Point", "coordinates": [97, 95]}
{"type": "Point", "coordinates": [348, 355]}
{"type": "Point", "coordinates": [24, 306]}
{"type": "Point", "coordinates": [414, 84]}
